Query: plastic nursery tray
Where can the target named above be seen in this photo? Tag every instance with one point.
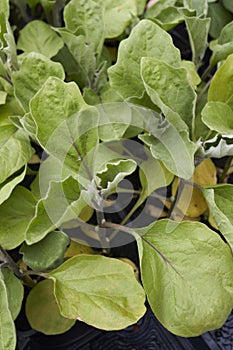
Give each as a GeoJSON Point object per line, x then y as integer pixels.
{"type": "Point", "coordinates": [221, 339]}
{"type": "Point", "coordinates": [147, 334]}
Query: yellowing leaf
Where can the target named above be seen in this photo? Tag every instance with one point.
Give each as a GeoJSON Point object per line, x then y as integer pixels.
{"type": "Point", "coordinates": [100, 291]}
{"type": "Point", "coordinates": [191, 202]}
{"type": "Point", "coordinates": [133, 265]}
{"type": "Point", "coordinates": [75, 248]}
{"type": "Point", "coordinates": [205, 173]}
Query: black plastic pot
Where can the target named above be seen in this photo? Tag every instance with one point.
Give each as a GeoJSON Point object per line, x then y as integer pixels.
{"type": "Point", "coordinates": [221, 339]}
{"type": "Point", "coordinates": [147, 334]}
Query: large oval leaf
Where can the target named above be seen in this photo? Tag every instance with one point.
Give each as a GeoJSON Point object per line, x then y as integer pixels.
{"type": "Point", "coordinates": [15, 292]}
{"type": "Point", "coordinates": [178, 95]}
{"type": "Point", "coordinates": [45, 40]}
{"type": "Point", "coordinates": [218, 116]}
{"type": "Point", "coordinates": [85, 17]}
{"type": "Point", "coordinates": [117, 16]}
{"type": "Point", "coordinates": [221, 88]}
{"type": "Point", "coordinates": [43, 312]}
{"type": "Point", "coordinates": [8, 186]}
{"type": "Point", "coordinates": [33, 73]}
{"type": "Point", "coordinates": [15, 150]}
{"type": "Point", "coordinates": [8, 335]}
{"type": "Point", "coordinates": [46, 254]}
{"type": "Point", "coordinates": [187, 272]}
{"type": "Point", "coordinates": [15, 215]}
{"type": "Point", "coordinates": [94, 288]}
{"type": "Point", "coordinates": [142, 42]}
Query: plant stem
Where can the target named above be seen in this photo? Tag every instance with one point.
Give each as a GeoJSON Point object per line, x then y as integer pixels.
{"type": "Point", "coordinates": [226, 168]}
{"type": "Point", "coordinates": [35, 273]}
{"type": "Point", "coordinates": [10, 262]}
{"type": "Point", "coordinates": [177, 197]}
{"type": "Point", "coordinates": [206, 73]}
{"type": "Point", "coordinates": [102, 232]}
{"type": "Point", "coordinates": [203, 91]}
{"type": "Point", "coordinates": [118, 227]}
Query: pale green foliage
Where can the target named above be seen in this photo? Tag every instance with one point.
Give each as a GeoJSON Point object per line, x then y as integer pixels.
{"type": "Point", "coordinates": [45, 40]}
{"type": "Point", "coordinates": [9, 184]}
{"type": "Point", "coordinates": [46, 254]}
{"type": "Point", "coordinates": [15, 292]}
{"type": "Point", "coordinates": [41, 301]}
{"type": "Point", "coordinates": [218, 116]}
{"type": "Point", "coordinates": [224, 44]}
{"type": "Point", "coordinates": [15, 150]}
{"type": "Point", "coordinates": [104, 99]}
{"type": "Point", "coordinates": [173, 284]}
{"type": "Point", "coordinates": [219, 199]}
{"type": "Point", "coordinates": [221, 88]}
{"type": "Point", "coordinates": [142, 42]}
{"type": "Point", "coordinates": [92, 288]}
{"type": "Point", "coordinates": [16, 214]}
{"type": "Point", "coordinates": [8, 338]}
{"type": "Point", "coordinates": [34, 71]}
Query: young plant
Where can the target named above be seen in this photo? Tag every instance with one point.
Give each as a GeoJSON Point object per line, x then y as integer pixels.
{"type": "Point", "coordinates": [107, 136]}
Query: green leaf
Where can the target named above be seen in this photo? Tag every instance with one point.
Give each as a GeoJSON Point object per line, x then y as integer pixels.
{"type": "Point", "coordinates": [55, 102]}
{"type": "Point", "coordinates": [198, 29]}
{"type": "Point", "coordinates": [15, 150]}
{"type": "Point", "coordinates": [192, 75]}
{"type": "Point", "coordinates": [8, 334]}
{"type": "Point", "coordinates": [93, 288]}
{"type": "Point", "coordinates": [63, 202]}
{"type": "Point", "coordinates": [42, 310]}
{"type": "Point", "coordinates": [178, 95]}
{"type": "Point", "coordinates": [46, 254]}
{"type": "Point", "coordinates": [169, 18]}
{"type": "Point", "coordinates": [118, 15]}
{"type": "Point", "coordinates": [153, 175]}
{"type": "Point", "coordinates": [142, 42]}
{"type": "Point", "coordinates": [48, 5]}
{"type": "Point", "coordinates": [10, 108]}
{"type": "Point", "coordinates": [187, 274]}
{"type": "Point", "coordinates": [3, 96]}
{"type": "Point", "coordinates": [5, 84]}
{"type": "Point", "coordinates": [219, 18]}
{"type": "Point", "coordinates": [15, 292]}
{"type": "Point", "coordinates": [45, 40]}
{"type": "Point", "coordinates": [114, 172]}
{"type": "Point", "coordinates": [224, 45]}
{"type": "Point", "coordinates": [5, 8]}
{"type": "Point", "coordinates": [51, 210]}
{"type": "Point", "coordinates": [218, 116]}
{"type": "Point", "coordinates": [218, 147]}
{"type": "Point", "coordinates": [177, 157]}
{"type": "Point", "coordinates": [228, 5]}
{"type": "Point", "coordinates": [9, 184]}
{"type": "Point", "coordinates": [51, 170]}
{"type": "Point", "coordinates": [15, 215]}
{"type": "Point", "coordinates": [219, 199]}
{"type": "Point", "coordinates": [33, 73]}
{"type": "Point", "coordinates": [114, 120]}
{"type": "Point", "coordinates": [200, 6]}
{"type": "Point", "coordinates": [85, 17]}
{"type": "Point", "coordinates": [10, 48]}
{"type": "Point", "coordinates": [158, 7]}
{"type": "Point", "coordinates": [140, 6]}
{"type": "Point", "coordinates": [80, 56]}
{"type": "Point", "coordinates": [221, 88]}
